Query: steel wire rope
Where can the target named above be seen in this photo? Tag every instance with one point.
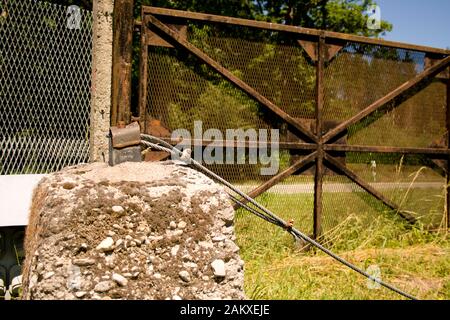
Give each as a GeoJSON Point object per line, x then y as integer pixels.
{"type": "Point", "coordinates": [268, 216]}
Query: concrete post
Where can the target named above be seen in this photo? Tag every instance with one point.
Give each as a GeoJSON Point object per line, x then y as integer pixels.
{"type": "Point", "coordinates": [102, 48]}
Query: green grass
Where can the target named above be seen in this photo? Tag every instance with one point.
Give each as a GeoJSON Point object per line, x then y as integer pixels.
{"type": "Point", "coordinates": [396, 173]}
{"type": "Point", "coordinates": [357, 228]}
{"type": "Point", "coordinates": [386, 173]}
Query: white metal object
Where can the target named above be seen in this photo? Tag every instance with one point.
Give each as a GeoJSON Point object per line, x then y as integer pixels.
{"type": "Point", "coordinates": [16, 284]}
{"type": "Point", "coordinates": [2, 289]}
{"type": "Point", "coordinates": [16, 192]}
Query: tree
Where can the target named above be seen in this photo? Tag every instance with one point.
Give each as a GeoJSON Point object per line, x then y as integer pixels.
{"type": "Point", "coordinates": [348, 16]}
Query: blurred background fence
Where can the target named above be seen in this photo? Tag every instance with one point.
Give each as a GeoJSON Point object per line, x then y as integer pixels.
{"type": "Point", "coordinates": [45, 78]}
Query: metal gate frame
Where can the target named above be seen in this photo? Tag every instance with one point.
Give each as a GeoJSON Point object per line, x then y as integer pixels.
{"type": "Point", "coordinates": [321, 46]}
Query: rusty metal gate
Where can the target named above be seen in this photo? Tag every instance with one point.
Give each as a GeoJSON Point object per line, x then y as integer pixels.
{"type": "Point", "coordinates": [363, 122]}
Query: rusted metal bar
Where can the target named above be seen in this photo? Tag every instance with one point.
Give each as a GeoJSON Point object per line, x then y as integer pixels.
{"type": "Point", "coordinates": [448, 146]}
{"type": "Point", "coordinates": [123, 25]}
{"type": "Point", "coordinates": [154, 40]}
{"type": "Point", "coordinates": [432, 58]}
{"type": "Point", "coordinates": [321, 50]}
{"type": "Point", "coordinates": [383, 149]}
{"type": "Point", "coordinates": [310, 48]}
{"type": "Point", "coordinates": [229, 20]}
{"type": "Point", "coordinates": [248, 144]}
{"type": "Point", "coordinates": [440, 167]}
{"type": "Point", "coordinates": [433, 70]}
{"type": "Point", "coordinates": [318, 195]}
{"type": "Point", "coordinates": [279, 177]}
{"type": "Point", "coordinates": [143, 78]}
{"type": "Point", "coordinates": [177, 38]}
{"type": "Point", "coordinates": [355, 178]}
{"type": "Point", "coordinates": [318, 177]}
{"type": "Point", "coordinates": [286, 28]}
{"type": "Point", "coordinates": [431, 153]}
{"type": "Point", "coordinates": [435, 154]}
{"type": "Point", "coordinates": [384, 43]}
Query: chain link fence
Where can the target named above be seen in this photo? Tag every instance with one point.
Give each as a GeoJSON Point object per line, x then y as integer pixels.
{"type": "Point", "coordinates": [45, 76]}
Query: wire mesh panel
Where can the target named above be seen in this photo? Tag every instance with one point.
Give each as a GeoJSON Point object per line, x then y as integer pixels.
{"type": "Point", "coordinates": [357, 77]}
{"type": "Point", "coordinates": [360, 74]}
{"type": "Point", "coordinates": [418, 121]}
{"type": "Point", "coordinates": [352, 214]}
{"type": "Point", "coordinates": [204, 74]}
{"type": "Point", "coordinates": [352, 218]}
{"type": "Point", "coordinates": [271, 62]}
{"type": "Point", "coordinates": [45, 74]}
{"type": "Point", "coordinates": [292, 200]}
{"type": "Point", "coordinates": [181, 91]}
{"type": "Point", "coordinates": [414, 182]}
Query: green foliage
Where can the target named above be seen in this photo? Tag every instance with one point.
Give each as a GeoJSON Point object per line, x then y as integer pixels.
{"type": "Point", "coordinates": [210, 107]}
{"type": "Point", "coordinates": [347, 16]}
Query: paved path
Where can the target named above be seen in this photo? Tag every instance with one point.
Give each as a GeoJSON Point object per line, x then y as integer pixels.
{"type": "Point", "coordinates": [336, 187]}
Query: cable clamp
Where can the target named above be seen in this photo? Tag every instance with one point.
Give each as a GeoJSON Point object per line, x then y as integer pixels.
{"type": "Point", "coordinates": [288, 226]}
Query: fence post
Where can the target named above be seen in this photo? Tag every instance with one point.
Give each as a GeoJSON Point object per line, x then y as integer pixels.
{"type": "Point", "coordinates": [123, 25]}
{"type": "Point", "coordinates": [448, 146]}
{"type": "Point", "coordinates": [143, 75]}
{"type": "Point", "coordinates": [318, 178]}
{"type": "Point", "coordinates": [101, 78]}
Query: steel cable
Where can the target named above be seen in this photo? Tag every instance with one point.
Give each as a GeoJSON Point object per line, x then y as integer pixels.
{"type": "Point", "coordinates": [266, 214]}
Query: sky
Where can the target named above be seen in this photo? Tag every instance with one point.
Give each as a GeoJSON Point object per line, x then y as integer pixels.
{"type": "Point", "coordinates": [423, 22]}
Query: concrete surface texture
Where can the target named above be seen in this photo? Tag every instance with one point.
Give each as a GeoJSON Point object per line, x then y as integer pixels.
{"type": "Point", "coordinates": [133, 231]}
{"type": "Point", "coordinates": [102, 42]}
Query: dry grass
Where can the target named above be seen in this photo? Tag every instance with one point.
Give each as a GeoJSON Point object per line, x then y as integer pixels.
{"type": "Point", "coordinates": [411, 258]}
{"type": "Point", "coordinates": [420, 270]}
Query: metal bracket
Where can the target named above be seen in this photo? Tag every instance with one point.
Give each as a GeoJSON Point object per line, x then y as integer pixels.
{"type": "Point", "coordinates": [155, 40]}
{"type": "Point", "coordinates": [310, 48]}
{"type": "Point", "coordinates": [296, 155]}
{"type": "Point", "coordinates": [432, 59]}
{"type": "Point", "coordinates": [124, 143]}
{"type": "Point", "coordinates": [156, 128]}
